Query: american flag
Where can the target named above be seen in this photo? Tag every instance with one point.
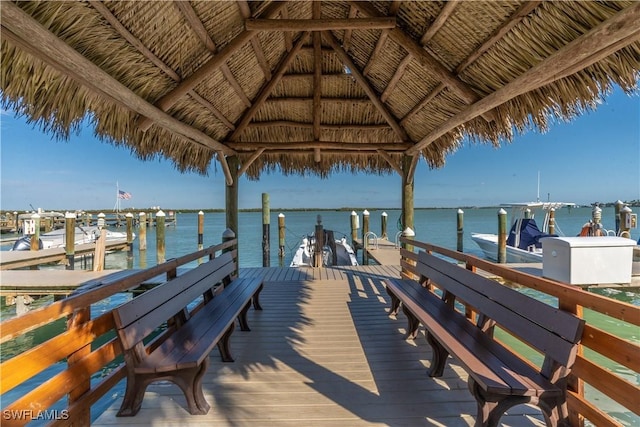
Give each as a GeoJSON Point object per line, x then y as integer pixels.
{"type": "Point", "coordinates": [124, 195]}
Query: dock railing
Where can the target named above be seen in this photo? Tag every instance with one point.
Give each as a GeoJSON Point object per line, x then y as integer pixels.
{"type": "Point", "coordinates": [597, 344]}
{"type": "Point", "coordinates": [89, 346]}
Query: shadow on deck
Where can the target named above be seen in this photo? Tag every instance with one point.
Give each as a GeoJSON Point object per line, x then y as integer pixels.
{"type": "Point", "coordinates": [324, 352]}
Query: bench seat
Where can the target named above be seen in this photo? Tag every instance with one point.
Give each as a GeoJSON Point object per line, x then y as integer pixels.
{"type": "Point", "coordinates": [498, 378]}
{"type": "Point", "coordinates": [199, 309]}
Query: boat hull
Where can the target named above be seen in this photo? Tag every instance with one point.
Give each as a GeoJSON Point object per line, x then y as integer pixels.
{"type": "Point", "coordinates": [489, 245]}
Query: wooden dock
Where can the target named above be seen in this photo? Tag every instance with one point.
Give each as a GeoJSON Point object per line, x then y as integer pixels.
{"type": "Point", "coordinates": [323, 352]}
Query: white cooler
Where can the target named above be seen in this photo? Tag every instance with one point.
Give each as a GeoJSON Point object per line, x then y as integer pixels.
{"type": "Point", "coordinates": [587, 260]}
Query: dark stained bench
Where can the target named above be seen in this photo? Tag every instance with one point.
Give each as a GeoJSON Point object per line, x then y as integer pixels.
{"type": "Point", "coordinates": [199, 308]}
{"type": "Point", "coordinates": [498, 379]}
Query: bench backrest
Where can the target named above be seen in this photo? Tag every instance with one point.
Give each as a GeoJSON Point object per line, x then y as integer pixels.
{"type": "Point", "coordinates": [552, 331]}
{"type": "Point", "coordinates": [139, 317]}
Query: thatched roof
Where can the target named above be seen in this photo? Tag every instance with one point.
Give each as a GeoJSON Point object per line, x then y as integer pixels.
{"type": "Point", "coordinates": [311, 87]}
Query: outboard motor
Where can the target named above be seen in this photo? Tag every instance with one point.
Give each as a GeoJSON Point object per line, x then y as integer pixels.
{"type": "Point", "coordinates": [24, 244]}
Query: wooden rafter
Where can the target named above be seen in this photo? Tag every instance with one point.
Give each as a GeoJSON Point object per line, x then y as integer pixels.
{"type": "Point", "coordinates": [319, 24]}
{"type": "Point", "coordinates": [412, 168]}
{"type": "Point", "coordinates": [196, 25]}
{"type": "Point", "coordinates": [135, 42]}
{"type": "Point", "coordinates": [346, 42]}
{"type": "Point", "coordinates": [268, 87]}
{"type": "Point", "coordinates": [317, 79]}
{"type": "Point", "coordinates": [364, 83]}
{"type": "Point", "coordinates": [523, 11]}
{"type": "Point", "coordinates": [24, 31]}
{"type": "Point", "coordinates": [245, 11]}
{"type": "Point", "coordinates": [393, 9]}
{"type": "Point", "coordinates": [603, 39]}
{"type": "Point", "coordinates": [397, 147]}
{"type": "Point", "coordinates": [304, 125]}
{"type": "Point", "coordinates": [169, 99]}
{"type": "Point", "coordinates": [421, 55]}
{"type": "Point", "coordinates": [440, 20]}
{"type": "Point", "coordinates": [394, 165]}
{"type": "Point", "coordinates": [288, 41]}
{"type": "Point", "coordinates": [250, 161]}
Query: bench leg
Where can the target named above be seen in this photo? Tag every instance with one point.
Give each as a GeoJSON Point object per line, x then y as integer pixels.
{"type": "Point", "coordinates": [413, 324]}
{"type": "Point", "coordinates": [242, 318]}
{"type": "Point", "coordinates": [256, 299]}
{"type": "Point", "coordinates": [134, 394]}
{"type": "Point", "coordinates": [395, 303]}
{"type": "Point", "coordinates": [438, 358]}
{"type": "Point", "coordinates": [555, 411]}
{"type": "Point", "coordinates": [492, 407]}
{"type": "Point", "coordinates": [190, 382]}
{"type": "Point", "coordinates": [223, 344]}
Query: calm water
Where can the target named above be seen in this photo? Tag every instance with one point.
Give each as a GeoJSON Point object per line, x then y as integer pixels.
{"type": "Point", "coordinates": [437, 226]}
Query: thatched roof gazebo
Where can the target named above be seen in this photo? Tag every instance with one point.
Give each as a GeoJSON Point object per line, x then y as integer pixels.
{"type": "Point", "coordinates": [312, 86]}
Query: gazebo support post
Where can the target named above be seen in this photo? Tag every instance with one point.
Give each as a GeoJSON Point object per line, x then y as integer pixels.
{"type": "Point", "coordinates": [231, 196]}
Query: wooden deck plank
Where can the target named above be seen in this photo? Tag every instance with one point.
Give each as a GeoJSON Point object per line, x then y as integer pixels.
{"type": "Point", "coordinates": [322, 353]}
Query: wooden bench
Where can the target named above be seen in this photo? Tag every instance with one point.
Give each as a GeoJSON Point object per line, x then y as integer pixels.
{"type": "Point", "coordinates": [498, 379]}
{"type": "Point", "coordinates": [197, 317]}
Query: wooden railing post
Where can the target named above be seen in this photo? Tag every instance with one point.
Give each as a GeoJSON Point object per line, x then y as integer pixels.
{"type": "Point", "coordinates": [75, 321]}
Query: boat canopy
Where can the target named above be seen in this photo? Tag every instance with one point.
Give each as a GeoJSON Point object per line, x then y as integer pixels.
{"type": "Point", "coordinates": [525, 233]}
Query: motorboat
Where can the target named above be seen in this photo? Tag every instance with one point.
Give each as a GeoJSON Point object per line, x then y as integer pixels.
{"type": "Point", "coordinates": [334, 252]}
{"type": "Point", "coordinates": [524, 243]}
{"type": "Point", "coordinates": [57, 238]}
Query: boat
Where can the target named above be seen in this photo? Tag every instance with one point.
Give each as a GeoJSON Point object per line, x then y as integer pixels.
{"type": "Point", "coordinates": [335, 252]}
{"type": "Point", "coordinates": [57, 238]}
{"type": "Point", "coordinates": [524, 243]}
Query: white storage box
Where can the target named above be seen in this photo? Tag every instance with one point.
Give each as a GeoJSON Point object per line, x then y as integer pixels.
{"type": "Point", "coordinates": [587, 260]}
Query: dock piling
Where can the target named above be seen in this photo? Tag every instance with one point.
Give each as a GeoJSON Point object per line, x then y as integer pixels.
{"type": "Point", "coordinates": [502, 236]}
{"type": "Point", "coordinates": [460, 230]}
{"type": "Point", "coordinates": [281, 237]}
{"type": "Point", "coordinates": [266, 235]}
{"type": "Point", "coordinates": [383, 226]}
{"type": "Point", "coordinates": [354, 228]}
{"type": "Point", "coordinates": [142, 232]}
{"type": "Point", "coordinates": [35, 236]}
{"type": "Point", "coordinates": [70, 240]}
{"type": "Point", "coordinates": [160, 237]}
{"type": "Point", "coordinates": [365, 231]}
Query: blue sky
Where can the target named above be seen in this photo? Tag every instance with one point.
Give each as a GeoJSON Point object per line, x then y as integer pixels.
{"type": "Point", "coordinates": [594, 158]}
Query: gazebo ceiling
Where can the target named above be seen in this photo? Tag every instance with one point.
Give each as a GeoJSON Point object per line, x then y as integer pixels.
{"type": "Point", "coordinates": [311, 86]}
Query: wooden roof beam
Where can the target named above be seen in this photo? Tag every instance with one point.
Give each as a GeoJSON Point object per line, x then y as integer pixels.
{"type": "Point", "coordinates": [393, 10]}
{"type": "Point", "coordinates": [598, 43]}
{"type": "Point", "coordinates": [169, 99]}
{"type": "Point", "coordinates": [304, 125]}
{"type": "Point", "coordinates": [368, 89]}
{"type": "Point", "coordinates": [422, 56]}
{"type": "Point", "coordinates": [196, 25]}
{"type": "Point", "coordinates": [317, 79]}
{"type": "Point", "coordinates": [346, 42]}
{"type": "Point", "coordinates": [250, 161]}
{"type": "Point", "coordinates": [268, 87]}
{"type": "Point", "coordinates": [288, 40]}
{"type": "Point", "coordinates": [26, 32]}
{"type": "Point", "coordinates": [375, 23]}
{"type": "Point", "coordinates": [245, 11]}
{"type": "Point", "coordinates": [440, 20]}
{"type": "Point", "coordinates": [135, 42]}
{"type": "Point", "coordinates": [523, 11]}
{"type": "Point", "coordinates": [394, 165]}
{"type": "Point", "coordinates": [396, 147]}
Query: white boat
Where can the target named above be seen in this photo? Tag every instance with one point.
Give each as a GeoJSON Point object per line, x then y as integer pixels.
{"type": "Point", "coordinates": [57, 238]}
{"type": "Point", "coordinates": [334, 252]}
{"type": "Point", "coordinates": [524, 238]}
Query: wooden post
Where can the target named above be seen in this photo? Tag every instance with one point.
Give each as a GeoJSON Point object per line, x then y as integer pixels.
{"type": "Point", "coordinates": [231, 197]}
{"type": "Point", "coordinates": [383, 226]}
{"type": "Point", "coordinates": [87, 219]}
{"type": "Point", "coordinates": [552, 221]}
{"type": "Point", "coordinates": [48, 224]}
{"type": "Point", "coordinates": [407, 233]}
{"type": "Point", "coordinates": [319, 243]}
{"type": "Point", "coordinates": [502, 236]}
{"type": "Point", "coordinates": [70, 238]}
{"type": "Point", "coordinates": [35, 237]}
{"type": "Point", "coordinates": [200, 230]}
{"type": "Point", "coordinates": [129, 220]}
{"type": "Point", "coordinates": [266, 234]}
{"type": "Point", "coordinates": [142, 231]}
{"type": "Point", "coordinates": [76, 321]}
{"type": "Point", "coordinates": [160, 240]}
{"type": "Point", "coordinates": [354, 229]}
{"type": "Point", "coordinates": [16, 226]}
{"type": "Point", "coordinates": [281, 235]}
{"type": "Point", "coordinates": [365, 230]}
{"type": "Point", "coordinates": [407, 193]}
{"type": "Point", "coordinates": [618, 207]}
{"type": "Point", "coordinates": [98, 258]}
{"type": "Point", "coordinates": [460, 245]}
